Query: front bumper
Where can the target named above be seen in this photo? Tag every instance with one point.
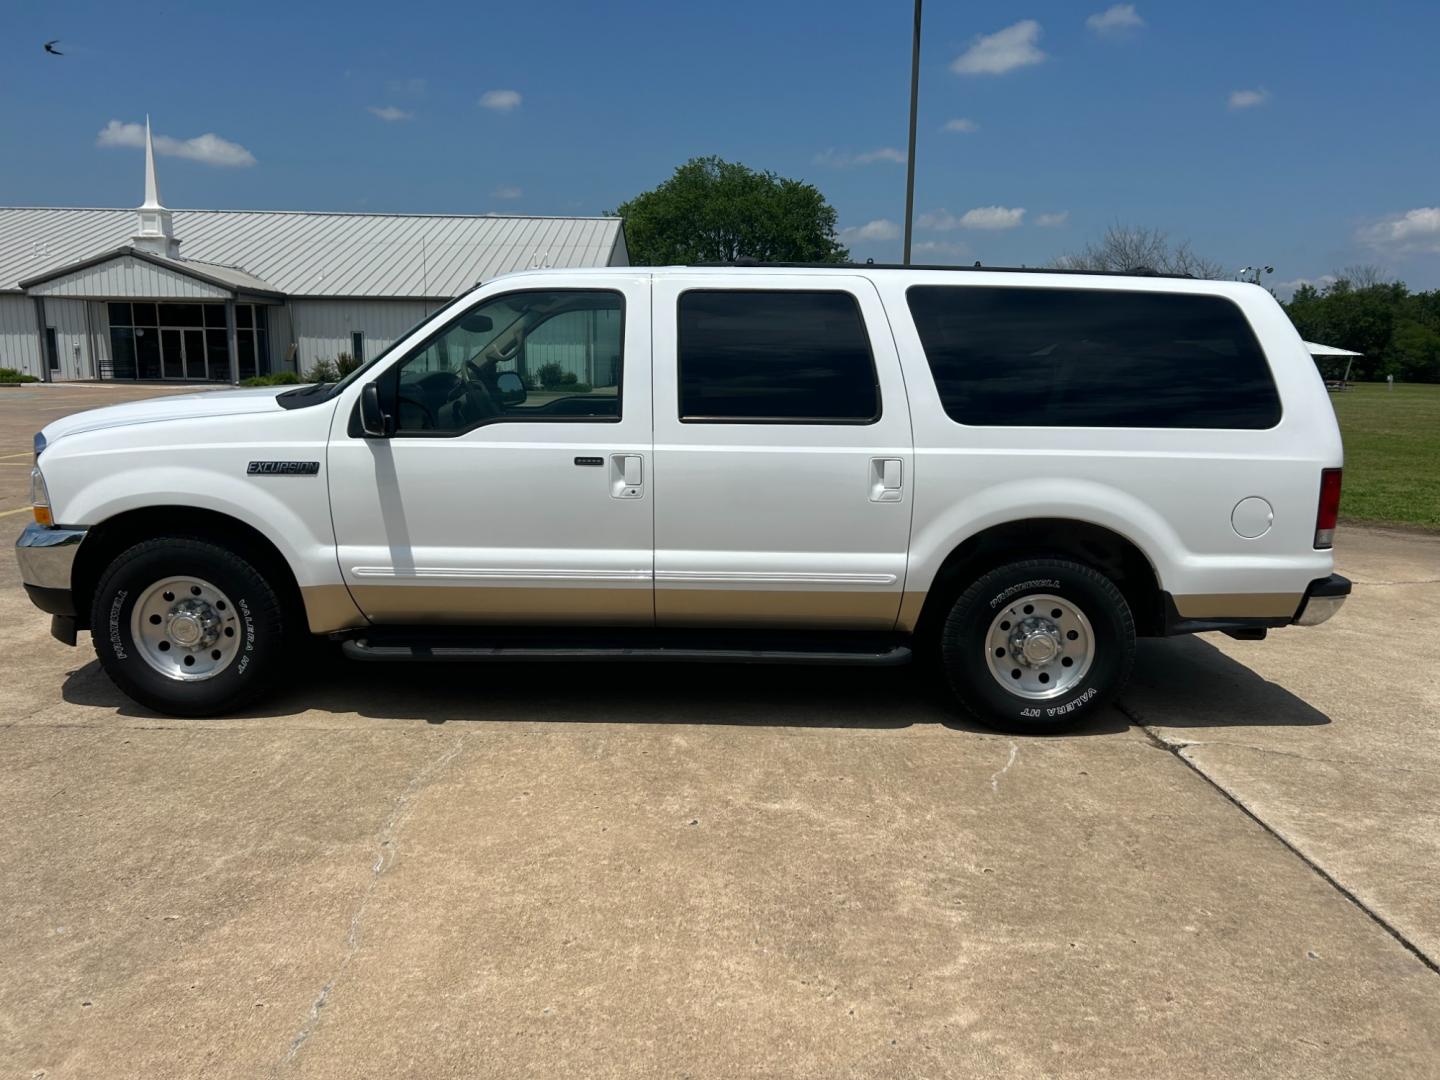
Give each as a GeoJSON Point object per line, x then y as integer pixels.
{"type": "Point", "coordinates": [47, 559]}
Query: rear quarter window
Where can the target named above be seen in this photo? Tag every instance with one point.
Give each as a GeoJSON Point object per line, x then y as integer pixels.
{"type": "Point", "coordinates": [1027, 357]}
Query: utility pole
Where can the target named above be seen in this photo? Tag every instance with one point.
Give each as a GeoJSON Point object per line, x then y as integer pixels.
{"type": "Point", "coordinates": [1254, 273]}
{"type": "Point", "coordinates": [910, 154]}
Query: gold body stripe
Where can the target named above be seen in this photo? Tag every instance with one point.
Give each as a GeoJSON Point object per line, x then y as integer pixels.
{"type": "Point", "coordinates": [1237, 605]}
{"type": "Point", "coordinates": [790, 608]}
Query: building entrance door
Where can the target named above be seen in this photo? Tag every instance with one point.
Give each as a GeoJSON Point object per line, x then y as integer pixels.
{"type": "Point", "coordinates": [172, 355]}
{"type": "Point", "coordinates": [194, 343]}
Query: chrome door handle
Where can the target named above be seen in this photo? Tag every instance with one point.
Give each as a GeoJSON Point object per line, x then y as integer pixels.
{"type": "Point", "coordinates": [627, 476]}
{"type": "Point", "coordinates": [887, 479]}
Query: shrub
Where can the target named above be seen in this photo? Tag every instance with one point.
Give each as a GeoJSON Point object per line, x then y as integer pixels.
{"type": "Point", "coordinates": [551, 374]}
{"type": "Point", "coordinates": [345, 364]}
{"type": "Point", "coordinates": [323, 371]}
{"type": "Point", "coordinates": [280, 378]}
{"type": "Point", "coordinates": [11, 375]}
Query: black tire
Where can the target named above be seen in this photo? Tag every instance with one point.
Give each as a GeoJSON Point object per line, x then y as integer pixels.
{"type": "Point", "coordinates": [260, 620]}
{"type": "Point", "coordinates": [964, 644]}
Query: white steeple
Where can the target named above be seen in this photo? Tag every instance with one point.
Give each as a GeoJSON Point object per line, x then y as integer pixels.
{"type": "Point", "coordinates": [156, 232]}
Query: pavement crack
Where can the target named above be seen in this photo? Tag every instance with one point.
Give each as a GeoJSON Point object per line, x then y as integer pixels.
{"type": "Point", "coordinates": [1014, 753]}
{"type": "Point", "coordinates": [1180, 744]}
{"type": "Point", "coordinates": [386, 852]}
{"type": "Point", "coordinates": [1417, 581]}
{"type": "Point", "coordinates": [1176, 750]}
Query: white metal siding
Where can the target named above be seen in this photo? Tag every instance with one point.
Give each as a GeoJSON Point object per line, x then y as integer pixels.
{"type": "Point", "coordinates": [19, 343]}
{"type": "Point", "coordinates": [72, 338]}
{"type": "Point", "coordinates": [322, 328]}
{"type": "Point", "coordinates": [132, 278]}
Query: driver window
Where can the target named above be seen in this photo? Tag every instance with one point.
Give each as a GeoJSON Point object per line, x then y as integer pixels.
{"type": "Point", "coordinates": [538, 356]}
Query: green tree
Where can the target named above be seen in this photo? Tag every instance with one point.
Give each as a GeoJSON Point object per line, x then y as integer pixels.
{"type": "Point", "coordinates": [1397, 331]}
{"type": "Point", "coordinates": [719, 211]}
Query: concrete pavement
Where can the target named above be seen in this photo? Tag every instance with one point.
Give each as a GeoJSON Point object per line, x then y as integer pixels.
{"type": "Point", "coordinates": [658, 871]}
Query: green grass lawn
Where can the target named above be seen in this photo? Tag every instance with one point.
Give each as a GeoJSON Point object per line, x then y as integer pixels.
{"type": "Point", "coordinates": [1392, 454]}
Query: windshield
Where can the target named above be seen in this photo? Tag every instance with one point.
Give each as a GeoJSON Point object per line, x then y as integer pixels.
{"type": "Point", "coordinates": [364, 368]}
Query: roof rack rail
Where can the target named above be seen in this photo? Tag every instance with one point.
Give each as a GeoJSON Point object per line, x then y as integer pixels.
{"type": "Point", "coordinates": [870, 264]}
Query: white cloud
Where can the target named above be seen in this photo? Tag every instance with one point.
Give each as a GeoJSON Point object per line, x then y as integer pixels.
{"type": "Point", "coordinates": [1052, 221]}
{"type": "Point", "coordinates": [961, 125]}
{"type": "Point", "coordinates": [1289, 287]}
{"type": "Point", "coordinates": [389, 113]}
{"type": "Point", "coordinates": [1115, 20]}
{"type": "Point", "coordinates": [940, 247]}
{"type": "Point", "coordinates": [992, 217]}
{"type": "Point", "coordinates": [879, 229]}
{"type": "Point", "coordinates": [208, 148]}
{"type": "Point", "coordinates": [1414, 230]}
{"type": "Point", "coordinates": [500, 100]}
{"type": "Point", "coordinates": [838, 160]}
{"type": "Point", "coordinates": [981, 217]}
{"type": "Point", "coordinates": [1005, 50]}
{"type": "Point", "coordinates": [1248, 99]}
{"type": "Point", "coordinates": [507, 191]}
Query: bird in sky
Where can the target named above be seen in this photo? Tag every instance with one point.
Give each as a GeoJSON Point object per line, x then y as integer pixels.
{"type": "Point", "coordinates": [50, 48]}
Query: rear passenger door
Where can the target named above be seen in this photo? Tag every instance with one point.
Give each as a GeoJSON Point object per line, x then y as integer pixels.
{"type": "Point", "coordinates": [783, 453]}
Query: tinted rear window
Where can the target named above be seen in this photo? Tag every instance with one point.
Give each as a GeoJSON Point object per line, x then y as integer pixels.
{"type": "Point", "coordinates": [783, 356]}
{"type": "Point", "coordinates": [1092, 358]}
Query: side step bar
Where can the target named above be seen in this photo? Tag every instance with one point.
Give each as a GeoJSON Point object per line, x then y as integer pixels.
{"type": "Point", "coordinates": [879, 653]}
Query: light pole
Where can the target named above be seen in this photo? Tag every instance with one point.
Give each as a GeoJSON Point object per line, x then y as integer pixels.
{"type": "Point", "coordinates": [1254, 272]}
{"type": "Point", "coordinates": [910, 154]}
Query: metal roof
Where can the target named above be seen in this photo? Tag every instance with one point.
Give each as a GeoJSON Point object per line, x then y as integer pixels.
{"type": "Point", "coordinates": [320, 254]}
{"type": "Point", "coordinates": [1316, 349]}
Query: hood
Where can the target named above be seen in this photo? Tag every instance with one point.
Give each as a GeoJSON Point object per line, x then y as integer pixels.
{"type": "Point", "coordinates": [179, 407]}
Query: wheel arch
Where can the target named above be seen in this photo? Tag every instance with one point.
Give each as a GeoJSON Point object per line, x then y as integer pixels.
{"type": "Point", "coordinates": [1107, 551]}
{"type": "Point", "coordinates": [105, 541]}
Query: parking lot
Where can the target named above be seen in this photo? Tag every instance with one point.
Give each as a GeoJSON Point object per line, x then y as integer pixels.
{"type": "Point", "coordinates": [714, 872]}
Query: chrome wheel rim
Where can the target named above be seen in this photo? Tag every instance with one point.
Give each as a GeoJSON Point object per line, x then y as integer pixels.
{"type": "Point", "coordinates": [186, 629]}
{"type": "Point", "coordinates": [1039, 647]}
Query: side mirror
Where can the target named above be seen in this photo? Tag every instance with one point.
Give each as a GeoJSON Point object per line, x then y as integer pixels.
{"type": "Point", "coordinates": [511, 388]}
{"type": "Point", "coordinates": [374, 423]}
{"type": "Point", "coordinates": [477, 324]}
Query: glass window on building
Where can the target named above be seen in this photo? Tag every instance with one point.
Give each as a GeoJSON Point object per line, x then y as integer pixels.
{"type": "Point", "coordinates": [185, 341]}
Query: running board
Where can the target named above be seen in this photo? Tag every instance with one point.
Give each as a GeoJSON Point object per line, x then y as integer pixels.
{"type": "Point", "coordinates": [868, 651]}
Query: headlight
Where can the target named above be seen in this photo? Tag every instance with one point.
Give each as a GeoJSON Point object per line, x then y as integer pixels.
{"type": "Point", "coordinates": [40, 498]}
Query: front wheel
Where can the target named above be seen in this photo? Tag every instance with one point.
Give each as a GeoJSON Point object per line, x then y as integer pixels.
{"type": "Point", "coordinates": [187, 627]}
{"type": "Point", "coordinates": [1038, 646]}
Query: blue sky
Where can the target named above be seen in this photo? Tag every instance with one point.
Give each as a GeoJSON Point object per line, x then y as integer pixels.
{"type": "Point", "coordinates": [1305, 135]}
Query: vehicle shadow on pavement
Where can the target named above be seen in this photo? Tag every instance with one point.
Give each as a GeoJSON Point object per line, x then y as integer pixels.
{"type": "Point", "coordinates": [593, 693]}
{"type": "Point", "coordinates": [1188, 682]}
{"type": "Point", "coordinates": [1177, 682]}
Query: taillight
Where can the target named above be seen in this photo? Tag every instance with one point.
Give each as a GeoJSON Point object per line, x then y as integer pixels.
{"type": "Point", "coordinates": [1329, 512]}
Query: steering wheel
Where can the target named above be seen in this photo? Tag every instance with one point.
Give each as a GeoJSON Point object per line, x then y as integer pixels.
{"type": "Point", "coordinates": [480, 402]}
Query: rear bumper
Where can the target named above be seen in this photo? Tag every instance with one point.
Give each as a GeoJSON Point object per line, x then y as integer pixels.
{"type": "Point", "coordinates": [1322, 600]}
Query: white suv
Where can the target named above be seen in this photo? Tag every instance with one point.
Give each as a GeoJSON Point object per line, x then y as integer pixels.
{"type": "Point", "coordinates": [1016, 472]}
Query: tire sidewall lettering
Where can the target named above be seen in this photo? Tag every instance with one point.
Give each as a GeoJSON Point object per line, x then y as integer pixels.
{"type": "Point", "coordinates": [1039, 583]}
{"type": "Point", "coordinates": [114, 634]}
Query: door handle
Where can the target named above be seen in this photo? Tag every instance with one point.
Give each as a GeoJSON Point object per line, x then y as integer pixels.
{"type": "Point", "coordinates": [887, 479]}
{"type": "Point", "coordinates": [627, 476]}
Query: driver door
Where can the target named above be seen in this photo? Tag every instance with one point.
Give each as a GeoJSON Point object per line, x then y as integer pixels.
{"type": "Point", "coordinates": [516, 486]}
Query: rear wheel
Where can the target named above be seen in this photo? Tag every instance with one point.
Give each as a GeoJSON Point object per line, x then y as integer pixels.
{"type": "Point", "coordinates": [1038, 646]}
{"type": "Point", "coordinates": [187, 627]}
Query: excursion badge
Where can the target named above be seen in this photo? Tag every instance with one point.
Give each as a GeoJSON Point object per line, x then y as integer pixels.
{"type": "Point", "coordinates": [283, 468]}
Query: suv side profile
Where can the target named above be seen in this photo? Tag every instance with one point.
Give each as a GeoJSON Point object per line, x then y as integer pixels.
{"type": "Point", "coordinates": [1017, 473]}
